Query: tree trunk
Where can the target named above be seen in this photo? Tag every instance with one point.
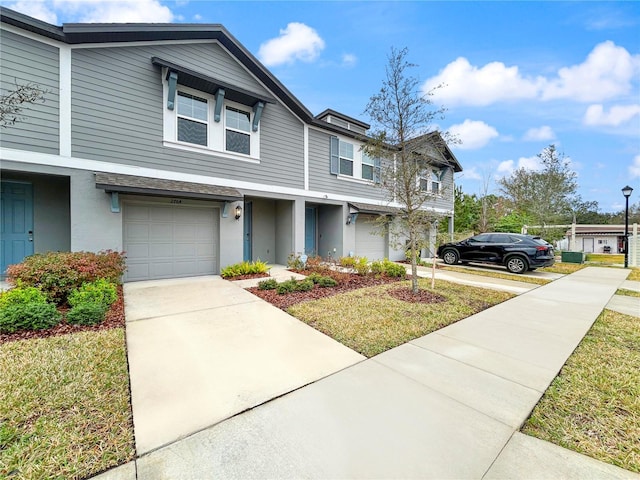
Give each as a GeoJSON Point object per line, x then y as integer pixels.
{"type": "Point", "coordinates": [414, 262]}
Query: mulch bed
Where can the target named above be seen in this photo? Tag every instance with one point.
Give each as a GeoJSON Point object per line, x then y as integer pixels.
{"type": "Point", "coordinates": [113, 319]}
{"type": "Point", "coordinates": [423, 296]}
{"type": "Point", "coordinates": [346, 282]}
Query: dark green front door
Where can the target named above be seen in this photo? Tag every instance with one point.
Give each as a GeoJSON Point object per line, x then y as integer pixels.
{"type": "Point", "coordinates": [16, 234]}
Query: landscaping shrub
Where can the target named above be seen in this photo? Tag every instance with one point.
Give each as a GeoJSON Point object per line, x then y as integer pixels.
{"type": "Point", "coordinates": [57, 274]}
{"type": "Point", "coordinates": [294, 262]}
{"type": "Point", "coordinates": [393, 269]}
{"type": "Point", "coordinates": [28, 316]}
{"type": "Point", "coordinates": [348, 262]}
{"type": "Point", "coordinates": [304, 285]}
{"type": "Point", "coordinates": [362, 266]}
{"type": "Point", "coordinates": [87, 313]}
{"type": "Point", "coordinates": [269, 284]}
{"type": "Point", "coordinates": [244, 268]}
{"type": "Point", "coordinates": [314, 277]}
{"type": "Point", "coordinates": [21, 295]}
{"type": "Point", "coordinates": [326, 282]}
{"type": "Point", "coordinates": [377, 267]}
{"type": "Point", "coordinates": [287, 286]}
{"type": "Point", "coordinates": [101, 292]}
{"type": "Point", "coordinates": [315, 263]}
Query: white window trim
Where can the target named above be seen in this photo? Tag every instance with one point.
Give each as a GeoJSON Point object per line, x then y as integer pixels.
{"type": "Point", "coordinates": [357, 164]}
{"type": "Point", "coordinates": [215, 130]}
{"type": "Point", "coordinates": [427, 175]}
{"type": "Point", "coordinates": [254, 138]}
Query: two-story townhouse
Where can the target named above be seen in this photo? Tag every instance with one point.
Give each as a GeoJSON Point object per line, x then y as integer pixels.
{"type": "Point", "coordinates": [171, 142]}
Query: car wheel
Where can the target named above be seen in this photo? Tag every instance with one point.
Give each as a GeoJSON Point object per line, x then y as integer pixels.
{"type": "Point", "coordinates": [450, 257]}
{"type": "Point", "coordinates": [517, 264]}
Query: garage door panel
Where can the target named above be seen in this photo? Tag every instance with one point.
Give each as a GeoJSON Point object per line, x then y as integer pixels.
{"type": "Point", "coordinates": [188, 232]}
{"type": "Point", "coordinates": [137, 250]}
{"type": "Point", "coordinates": [137, 231]}
{"type": "Point", "coordinates": [369, 243]}
{"type": "Point", "coordinates": [137, 212]}
{"type": "Point", "coordinates": [166, 241]}
{"type": "Point", "coordinates": [161, 213]}
{"type": "Point", "coordinates": [137, 271]}
{"type": "Point", "coordinates": [185, 250]}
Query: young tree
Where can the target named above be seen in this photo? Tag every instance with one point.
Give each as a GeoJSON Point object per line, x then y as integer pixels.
{"type": "Point", "coordinates": [547, 195]}
{"type": "Point", "coordinates": [14, 101]}
{"type": "Point", "coordinates": [402, 117]}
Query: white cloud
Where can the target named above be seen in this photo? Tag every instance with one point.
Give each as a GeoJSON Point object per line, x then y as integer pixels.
{"type": "Point", "coordinates": [543, 133]}
{"type": "Point", "coordinates": [97, 11]}
{"type": "Point", "coordinates": [37, 9]}
{"type": "Point", "coordinates": [634, 168]}
{"type": "Point", "coordinates": [349, 59]}
{"type": "Point", "coordinates": [474, 134]}
{"type": "Point", "coordinates": [607, 72]}
{"type": "Point", "coordinates": [617, 115]}
{"type": "Point", "coordinates": [471, 174]}
{"type": "Point", "coordinates": [507, 167]}
{"type": "Point", "coordinates": [296, 42]}
{"type": "Point", "coordinates": [466, 84]}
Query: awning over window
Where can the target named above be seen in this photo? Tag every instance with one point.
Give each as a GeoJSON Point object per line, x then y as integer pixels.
{"type": "Point", "coordinates": [372, 208]}
{"type": "Point", "coordinates": [111, 182]}
{"type": "Point", "coordinates": [205, 83]}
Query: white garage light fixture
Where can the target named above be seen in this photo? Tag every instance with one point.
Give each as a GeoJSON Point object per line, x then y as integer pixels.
{"type": "Point", "coordinates": [238, 212]}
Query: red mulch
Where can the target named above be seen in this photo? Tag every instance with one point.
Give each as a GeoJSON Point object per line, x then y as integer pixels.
{"type": "Point", "coordinates": [423, 296]}
{"type": "Point", "coordinates": [346, 282]}
{"type": "Point", "coordinates": [113, 319]}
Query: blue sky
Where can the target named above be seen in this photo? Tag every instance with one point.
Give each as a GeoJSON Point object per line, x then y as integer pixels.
{"type": "Point", "coordinates": [519, 75]}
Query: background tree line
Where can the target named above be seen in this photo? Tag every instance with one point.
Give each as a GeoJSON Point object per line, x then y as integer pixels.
{"type": "Point", "coordinates": [533, 197]}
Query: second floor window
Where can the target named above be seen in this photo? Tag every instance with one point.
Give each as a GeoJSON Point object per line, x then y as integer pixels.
{"type": "Point", "coordinates": [192, 119]}
{"type": "Point", "coordinates": [346, 158]}
{"type": "Point", "coordinates": [237, 131]}
{"type": "Point", "coordinates": [368, 167]}
{"type": "Point", "coordinates": [430, 182]}
{"type": "Point", "coordinates": [435, 183]}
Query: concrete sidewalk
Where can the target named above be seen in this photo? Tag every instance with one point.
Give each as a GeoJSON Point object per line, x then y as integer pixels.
{"type": "Point", "coordinates": [447, 405]}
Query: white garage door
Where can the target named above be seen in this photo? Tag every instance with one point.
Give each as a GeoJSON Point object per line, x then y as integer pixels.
{"type": "Point", "coordinates": [166, 241]}
{"type": "Point", "coordinates": [368, 242]}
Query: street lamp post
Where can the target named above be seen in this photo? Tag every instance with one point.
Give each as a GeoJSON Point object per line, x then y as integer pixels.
{"type": "Point", "coordinates": [626, 191]}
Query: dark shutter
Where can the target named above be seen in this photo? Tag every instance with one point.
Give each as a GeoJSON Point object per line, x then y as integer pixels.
{"type": "Point", "coordinates": [335, 158]}
{"type": "Point", "coordinates": [376, 170]}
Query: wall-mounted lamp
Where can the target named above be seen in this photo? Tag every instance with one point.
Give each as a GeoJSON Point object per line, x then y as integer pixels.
{"type": "Point", "coordinates": [351, 218]}
{"type": "Point", "coordinates": [238, 212]}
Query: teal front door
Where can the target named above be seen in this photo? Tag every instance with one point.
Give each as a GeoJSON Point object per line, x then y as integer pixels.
{"type": "Point", "coordinates": [310, 247]}
{"type": "Point", "coordinates": [248, 232]}
{"type": "Point", "coordinates": [16, 234]}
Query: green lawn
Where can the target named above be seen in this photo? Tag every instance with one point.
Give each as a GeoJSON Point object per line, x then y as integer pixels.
{"type": "Point", "coordinates": [593, 406]}
{"type": "Point", "coordinates": [371, 321]}
{"type": "Point", "coordinates": [64, 406]}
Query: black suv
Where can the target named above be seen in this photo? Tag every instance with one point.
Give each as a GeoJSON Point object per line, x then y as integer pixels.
{"type": "Point", "coordinates": [518, 253]}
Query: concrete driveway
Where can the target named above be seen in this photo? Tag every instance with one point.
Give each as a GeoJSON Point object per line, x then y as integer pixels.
{"type": "Point", "coordinates": [203, 349]}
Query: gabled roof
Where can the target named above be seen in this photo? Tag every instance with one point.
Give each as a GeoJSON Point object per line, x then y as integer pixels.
{"type": "Point", "coordinates": [434, 139]}
{"type": "Point", "coordinates": [333, 113]}
{"type": "Point", "coordinates": [78, 33]}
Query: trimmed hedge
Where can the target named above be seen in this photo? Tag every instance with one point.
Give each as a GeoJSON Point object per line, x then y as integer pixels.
{"type": "Point", "coordinates": [57, 274]}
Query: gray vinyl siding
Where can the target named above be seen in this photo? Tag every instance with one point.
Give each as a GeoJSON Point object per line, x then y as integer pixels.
{"type": "Point", "coordinates": [117, 114]}
{"type": "Point", "coordinates": [446, 200]}
{"type": "Point", "coordinates": [23, 61]}
{"type": "Point", "coordinates": [321, 180]}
